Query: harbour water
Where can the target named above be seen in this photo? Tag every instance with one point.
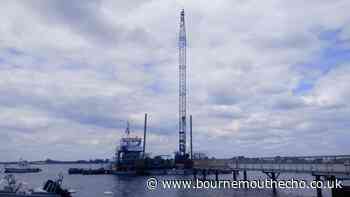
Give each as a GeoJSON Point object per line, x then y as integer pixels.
{"type": "Point", "coordinates": [124, 186]}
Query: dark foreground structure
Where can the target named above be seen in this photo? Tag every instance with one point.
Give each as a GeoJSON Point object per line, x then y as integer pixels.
{"type": "Point", "coordinates": [50, 189]}
{"type": "Point", "coordinates": [322, 168]}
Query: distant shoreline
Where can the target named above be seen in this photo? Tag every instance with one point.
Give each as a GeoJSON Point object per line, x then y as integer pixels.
{"type": "Point", "coordinates": [96, 161]}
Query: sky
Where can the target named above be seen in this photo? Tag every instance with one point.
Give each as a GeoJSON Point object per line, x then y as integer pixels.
{"type": "Point", "coordinates": [266, 78]}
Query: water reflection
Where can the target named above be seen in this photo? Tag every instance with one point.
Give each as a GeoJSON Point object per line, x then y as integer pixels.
{"type": "Point", "coordinates": [97, 185]}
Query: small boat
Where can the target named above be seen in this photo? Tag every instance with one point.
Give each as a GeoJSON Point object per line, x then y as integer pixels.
{"type": "Point", "coordinates": [23, 167]}
{"type": "Point", "coordinates": [22, 170]}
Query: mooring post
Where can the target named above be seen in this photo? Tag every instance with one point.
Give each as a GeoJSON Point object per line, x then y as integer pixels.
{"type": "Point", "coordinates": [318, 189]}
{"type": "Point", "coordinates": [273, 177]}
{"type": "Point", "coordinates": [144, 137]}
{"type": "Point", "coordinates": [191, 151]}
{"type": "Point", "coordinates": [194, 174]}
{"type": "Point", "coordinates": [234, 175]}
{"type": "Point", "coordinates": [204, 174]}
{"type": "Point", "coordinates": [245, 178]}
{"type": "Point", "coordinates": [216, 175]}
{"type": "Point", "coordinates": [332, 182]}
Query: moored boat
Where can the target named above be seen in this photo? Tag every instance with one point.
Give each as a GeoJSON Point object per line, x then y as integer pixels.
{"type": "Point", "coordinates": [22, 170]}
{"type": "Point", "coordinates": [23, 167]}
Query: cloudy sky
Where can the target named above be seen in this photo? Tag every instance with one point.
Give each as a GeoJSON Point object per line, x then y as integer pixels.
{"type": "Point", "coordinates": [266, 77]}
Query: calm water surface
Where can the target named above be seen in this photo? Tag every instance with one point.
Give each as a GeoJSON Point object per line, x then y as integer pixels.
{"type": "Point", "coordinates": [96, 185]}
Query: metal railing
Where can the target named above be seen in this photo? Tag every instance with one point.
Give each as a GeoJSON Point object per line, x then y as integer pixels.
{"type": "Point", "coordinates": [292, 167]}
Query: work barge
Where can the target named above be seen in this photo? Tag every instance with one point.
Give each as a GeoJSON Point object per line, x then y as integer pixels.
{"type": "Point", "coordinates": [131, 159]}
{"type": "Point", "coordinates": [130, 156]}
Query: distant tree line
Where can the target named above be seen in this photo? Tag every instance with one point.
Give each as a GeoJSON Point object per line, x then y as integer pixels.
{"type": "Point", "coordinates": [95, 161]}
{"type": "Point", "coordinates": [280, 159]}
{"type": "Point", "coordinates": [51, 161]}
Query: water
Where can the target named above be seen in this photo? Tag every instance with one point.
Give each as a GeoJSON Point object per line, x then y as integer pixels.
{"type": "Point", "coordinates": [122, 186]}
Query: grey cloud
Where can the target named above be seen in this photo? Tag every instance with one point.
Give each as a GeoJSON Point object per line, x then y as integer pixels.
{"type": "Point", "coordinates": [82, 69]}
{"type": "Point", "coordinates": [88, 22]}
{"type": "Point", "coordinates": [288, 103]}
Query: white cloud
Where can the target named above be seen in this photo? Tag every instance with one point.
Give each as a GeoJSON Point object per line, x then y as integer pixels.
{"type": "Point", "coordinates": [71, 74]}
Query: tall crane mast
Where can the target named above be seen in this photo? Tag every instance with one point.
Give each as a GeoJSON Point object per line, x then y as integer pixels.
{"type": "Point", "coordinates": [182, 86]}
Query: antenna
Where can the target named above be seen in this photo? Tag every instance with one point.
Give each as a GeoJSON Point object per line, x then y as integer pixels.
{"type": "Point", "coordinates": [127, 130]}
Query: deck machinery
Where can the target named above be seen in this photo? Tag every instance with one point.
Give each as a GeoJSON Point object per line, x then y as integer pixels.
{"type": "Point", "coordinates": [129, 151]}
